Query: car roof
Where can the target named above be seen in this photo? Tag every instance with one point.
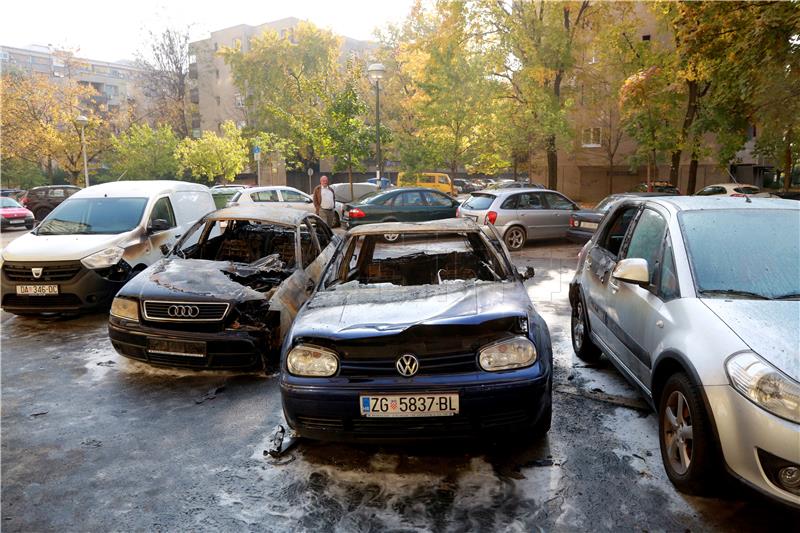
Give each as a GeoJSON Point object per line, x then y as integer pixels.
{"type": "Point", "coordinates": [274, 214]}
{"type": "Point", "coordinates": [402, 189]}
{"type": "Point", "coordinates": [273, 188]}
{"type": "Point", "coordinates": [144, 188]}
{"type": "Point", "coordinates": [695, 203]}
{"type": "Point", "coordinates": [515, 190]}
{"type": "Point", "coordinates": [432, 226]}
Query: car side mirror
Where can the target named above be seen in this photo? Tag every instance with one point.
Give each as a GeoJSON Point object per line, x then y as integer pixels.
{"type": "Point", "coordinates": [307, 200]}
{"type": "Point", "coordinates": [633, 270]}
{"type": "Point", "coordinates": [157, 225]}
{"type": "Point", "coordinates": [527, 273]}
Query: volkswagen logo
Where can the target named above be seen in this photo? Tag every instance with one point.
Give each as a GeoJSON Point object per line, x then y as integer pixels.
{"type": "Point", "coordinates": [407, 365]}
{"type": "Point", "coordinates": [183, 311]}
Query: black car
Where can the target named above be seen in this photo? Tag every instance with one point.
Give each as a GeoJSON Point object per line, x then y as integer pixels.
{"type": "Point", "coordinates": [405, 204]}
{"type": "Point", "coordinates": [430, 336]}
{"type": "Point", "coordinates": [226, 294]}
{"type": "Point", "coordinates": [658, 186]}
{"type": "Point", "coordinates": [583, 223]}
{"type": "Point", "coordinates": [41, 200]}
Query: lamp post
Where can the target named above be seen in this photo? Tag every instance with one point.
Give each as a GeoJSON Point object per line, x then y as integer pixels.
{"type": "Point", "coordinates": [82, 121]}
{"type": "Point", "coordinates": [376, 71]}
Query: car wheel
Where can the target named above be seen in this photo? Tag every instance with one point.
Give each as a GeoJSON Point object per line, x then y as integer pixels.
{"type": "Point", "coordinates": [41, 213]}
{"type": "Point", "coordinates": [515, 238]}
{"type": "Point", "coordinates": [687, 444]}
{"type": "Point", "coordinates": [29, 226]}
{"type": "Point", "coordinates": [585, 349]}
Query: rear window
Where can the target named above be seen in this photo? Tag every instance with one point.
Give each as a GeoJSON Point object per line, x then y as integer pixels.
{"type": "Point", "coordinates": [747, 190]}
{"type": "Point", "coordinates": [479, 201]}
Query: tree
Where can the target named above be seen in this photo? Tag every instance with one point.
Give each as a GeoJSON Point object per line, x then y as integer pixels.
{"type": "Point", "coordinates": [144, 152]}
{"type": "Point", "coordinates": [211, 156]}
{"type": "Point", "coordinates": [348, 137]}
{"type": "Point", "coordinates": [165, 70]}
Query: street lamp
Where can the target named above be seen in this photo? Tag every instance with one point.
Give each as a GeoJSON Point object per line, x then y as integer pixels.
{"type": "Point", "coordinates": [82, 121]}
{"type": "Point", "coordinates": [376, 71]}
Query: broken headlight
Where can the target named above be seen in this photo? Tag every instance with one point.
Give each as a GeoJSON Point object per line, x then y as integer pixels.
{"type": "Point", "coordinates": [125, 308]}
{"type": "Point", "coordinates": [518, 352]}
{"type": "Point", "coordinates": [103, 258]}
{"type": "Point", "coordinates": [764, 385]}
{"type": "Point", "coordinates": [312, 361]}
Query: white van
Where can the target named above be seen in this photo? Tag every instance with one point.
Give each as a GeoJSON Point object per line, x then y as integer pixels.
{"type": "Point", "coordinates": [89, 246]}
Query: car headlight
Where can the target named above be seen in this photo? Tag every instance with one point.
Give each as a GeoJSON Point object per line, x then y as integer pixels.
{"type": "Point", "coordinates": [518, 352]}
{"type": "Point", "coordinates": [314, 361]}
{"type": "Point", "coordinates": [125, 308]}
{"type": "Point", "coordinates": [764, 385]}
{"type": "Point", "coordinates": [103, 258]}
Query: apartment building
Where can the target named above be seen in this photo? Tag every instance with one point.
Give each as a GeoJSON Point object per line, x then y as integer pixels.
{"type": "Point", "coordinates": [116, 83]}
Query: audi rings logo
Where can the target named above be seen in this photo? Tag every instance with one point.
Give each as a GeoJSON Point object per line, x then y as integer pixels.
{"type": "Point", "coordinates": [183, 311]}
{"type": "Point", "coordinates": [407, 365]}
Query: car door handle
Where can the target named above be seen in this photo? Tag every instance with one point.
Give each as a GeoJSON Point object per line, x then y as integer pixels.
{"type": "Point", "coordinates": [614, 286]}
{"type": "Point", "coordinates": [660, 323]}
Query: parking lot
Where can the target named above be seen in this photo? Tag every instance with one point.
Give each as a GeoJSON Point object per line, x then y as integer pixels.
{"type": "Point", "coordinates": [92, 441]}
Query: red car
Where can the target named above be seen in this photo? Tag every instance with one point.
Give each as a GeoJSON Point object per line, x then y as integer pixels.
{"type": "Point", "coordinates": [13, 215]}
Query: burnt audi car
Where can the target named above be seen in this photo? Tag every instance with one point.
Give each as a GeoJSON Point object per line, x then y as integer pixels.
{"type": "Point", "coordinates": [227, 292]}
{"type": "Point", "coordinates": [429, 336]}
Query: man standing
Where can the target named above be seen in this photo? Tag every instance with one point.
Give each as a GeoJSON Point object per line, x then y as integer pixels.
{"type": "Point", "coordinates": [324, 201]}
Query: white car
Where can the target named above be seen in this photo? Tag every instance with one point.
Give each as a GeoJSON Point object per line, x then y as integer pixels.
{"type": "Point", "coordinates": [733, 189]}
{"type": "Point", "coordinates": [275, 195]}
{"type": "Point", "coordinates": [89, 246]}
{"type": "Point", "coordinates": [342, 194]}
{"type": "Point", "coordinates": [697, 302]}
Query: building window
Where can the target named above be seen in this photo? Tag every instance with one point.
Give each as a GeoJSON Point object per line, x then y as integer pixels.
{"type": "Point", "coordinates": [192, 58]}
{"type": "Point", "coordinates": [591, 137]}
{"type": "Point", "coordinates": [646, 37]}
{"type": "Point", "coordinates": [196, 133]}
{"type": "Point", "coordinates": [238, 100]}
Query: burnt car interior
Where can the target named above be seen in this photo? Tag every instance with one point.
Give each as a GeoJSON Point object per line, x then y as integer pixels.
{"type": "Point", "coordinates": [421, 259]}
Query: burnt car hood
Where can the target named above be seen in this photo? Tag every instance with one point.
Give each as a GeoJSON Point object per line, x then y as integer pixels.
{"type": "Point", "coordinates": [191, 279]}
{"type": "Point", "coordinates": [354, 310]}
{"type": "Point", "coordinates": [769, 328]}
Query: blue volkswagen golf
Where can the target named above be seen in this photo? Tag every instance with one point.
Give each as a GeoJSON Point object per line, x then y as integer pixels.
{"type": "Point", "coordinates": [426, 335]}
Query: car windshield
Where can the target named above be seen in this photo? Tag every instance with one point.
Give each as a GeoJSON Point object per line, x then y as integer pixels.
{"type": "Point", "coordinates": [8, 202]}
{"type": "Point", "coordinates": [479, 201]}
{"type": "Point", "coordinates": [81, 216]}
{"type": "Point", "coordinates": [733, 255]}
{"type": "Point", "coordinates": [414, 259]}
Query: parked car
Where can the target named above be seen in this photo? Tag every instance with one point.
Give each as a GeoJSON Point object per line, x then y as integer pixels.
{"type": "Point", "coordinates": [658, 186]}
{"type": "Point", "coordinates": [520, 214]}
{"type": "Point", "coordinates": [464, 186]}
{"type": "Point", "coordinates": [41, 200]}
{"type": "Point", "coordinates": [13, 215]}
{"type": "Point", "coordinates": [430, 180]}
{"type": "Point", "coordinates": [583, 223]}
{"type": "Point", "coordinates": [223, 195]}
{"type": "Point", "coordinates": [430, 336]}
{"type": "Point", "coordinates": [733, 189]}
{"type": "Point", "coordinates": [94, 242]}
{"type": "Point", "coordinates": [12, 193]}
{"type": "Point", "coordinates": [232, 186]}
{"type": "Point", "coordinates": [228, 292]}
{"type": "Point", "coordinates": [697, 302]}
{"type": "Point", "coordinates": [408, 204]}
{"type": "Point", "coordinates": [511, 184]}
{"type": "Point", "coordinates": [341, 192]}
{"type": "Point", "coordinates": [274, 196]}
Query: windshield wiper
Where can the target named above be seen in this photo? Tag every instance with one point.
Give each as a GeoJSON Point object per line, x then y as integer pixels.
{"type": "Point", "coordinates": [733, 292]}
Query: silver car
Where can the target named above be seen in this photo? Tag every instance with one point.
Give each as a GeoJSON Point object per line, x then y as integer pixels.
{"type": "Point", "coordinates": [697, 302]}
{"type": "Point", "coordinates": [521, 214]}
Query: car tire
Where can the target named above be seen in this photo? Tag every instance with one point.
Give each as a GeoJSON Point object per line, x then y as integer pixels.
{"type": "Point", "coordinates": [41, 213]}
{"type": "Point", "coordinates": [542, 426]}
{"type": "Point", "coordinates": [582, 343]}
{"type": "Point", "coordinates": [29, 226]}
{"type": "Point", "coordinates": [515, 238]}
{"type": "Point", "coordinates": [688, 449]}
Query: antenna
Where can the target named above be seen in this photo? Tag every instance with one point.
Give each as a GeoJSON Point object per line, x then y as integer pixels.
{"type": "Point", "coordinates": [123, 173]}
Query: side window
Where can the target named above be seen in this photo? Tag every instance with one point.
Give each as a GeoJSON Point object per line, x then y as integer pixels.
{"type": "Point", "coordinates": [265, 196]}
{"type": "Point", "coordinates": [163, 210]}
{"type": "Point", "coordinates": [57, 193]}
{"type": "Point", "coordinates": [292, 196]}
{"type": "Point", "coordinates": [307, 248]}
{"type": "Point", "coordinates": [646, 241]}
{"type": "Point", "coordinates": [427, 180]}
{"type": "Point", "coordinates": [510, 202]}
{"type": "Point", "coordinates": [614, 234]}
{"type": "Point", "coordinates": [556, 201]}
{"type": "Point", "coordinates": [322, 232]}
{"type": "Point", "coordinates": [529, 200]}
{"type": "Point", "coordinates": [408, 199]}
{"type": "Point", "coordinates": [438, 200]}
{"type": "Point", "coordinates": [668, 287]}
{"type": "Point", "coordinates": [443, 180]}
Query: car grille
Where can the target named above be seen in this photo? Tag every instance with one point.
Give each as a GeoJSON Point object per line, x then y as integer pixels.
{"type": "Point", "coordinates": [442, 364]}
{"type": "Point", "coordinates": [41, 302]}
{"type": "Point", "coordinates": [52, 273]}
{"type": "Point", "coordinates": [184, 311]}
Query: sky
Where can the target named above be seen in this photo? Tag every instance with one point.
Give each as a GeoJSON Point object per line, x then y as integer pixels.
{"type": "Point", "coordinates": [111, 31]}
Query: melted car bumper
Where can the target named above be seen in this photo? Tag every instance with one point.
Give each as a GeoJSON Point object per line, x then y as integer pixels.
{"type": "Point", "coordinates": [755, 443]}
{"type": "Point", "coordinates": [488, 404]}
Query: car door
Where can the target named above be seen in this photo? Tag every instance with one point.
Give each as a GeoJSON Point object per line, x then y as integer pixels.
{"type": "Point", "coordinates": [633, 310]}
{"type": "Point", "coordinates": [410, 206]}
{"type": "Point", "coordinates": [439, 205]}
{"type": "Point", "coordinates": [160, 241]}
{"type": "Point", "coordinates": [530, 211]}
{"type": "Point", "coordinates": [297, 200]}
{"type": "Point", "coordinates": [559, 209]}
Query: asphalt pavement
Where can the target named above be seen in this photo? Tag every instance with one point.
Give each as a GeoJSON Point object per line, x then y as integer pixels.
{"type": "Point", "coordinates": [94, 442]}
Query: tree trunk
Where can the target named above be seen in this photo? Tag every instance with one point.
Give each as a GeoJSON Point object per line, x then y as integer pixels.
{"type": "Point", "coordinates": [611, 175]}
{"type": "Point", "coordinates": [787, 162]}
{"type": "Point", "coordinates": [350, 179]}
{"type": "Point", "coordinates": [688, 120]}
{"type": "Point", "coordinates": [50, 170]}
{"type": "Point", "coordinates": [515, 168]}
{"type": "Point", "coordinates": [692, 183]}
{"type": "Point", "coordinates": [552, 163]}
{"type": "Point", "coordinates": [675, 167]}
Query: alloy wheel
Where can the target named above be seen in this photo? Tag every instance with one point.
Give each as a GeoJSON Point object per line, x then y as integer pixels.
{"type": "Point", "coordinates": [577, 326]}
{"type": "Point", "coordinates": [677, 432]}
{"type": "Point", "coordinates": [515, 238]}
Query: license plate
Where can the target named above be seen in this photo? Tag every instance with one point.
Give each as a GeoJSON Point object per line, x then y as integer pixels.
{"type": "Point", "coordinates": [589, 225]}
{"type": "Point", "coordinates": [37, 290]}
{"type": "Point", "coordinates": [18, 221]}
{"type": "Point", "coordinates": [409, 405]}
{"type": "Point", "coordinates": [170, 347]}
